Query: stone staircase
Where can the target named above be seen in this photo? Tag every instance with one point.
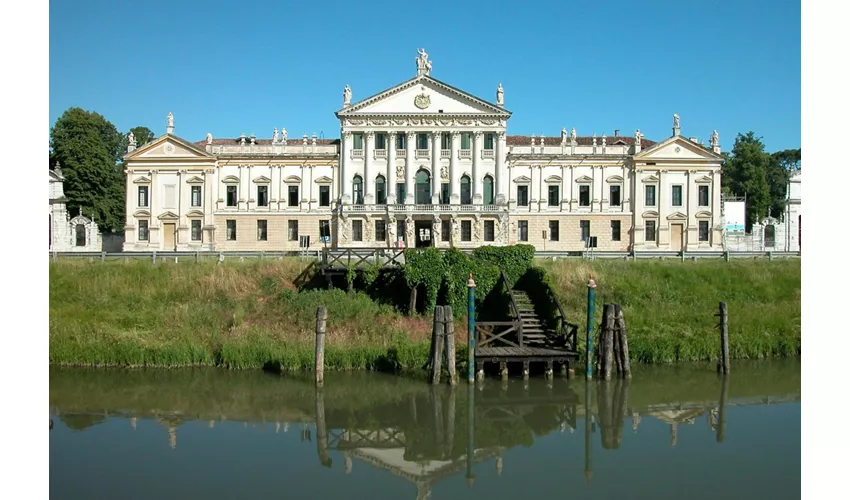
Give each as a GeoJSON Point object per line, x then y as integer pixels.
{"type": "Point", "coordinates": [533, 333]}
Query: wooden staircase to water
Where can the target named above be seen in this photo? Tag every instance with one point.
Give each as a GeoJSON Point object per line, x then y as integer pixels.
{"type": "Point", "coordinates": [533, 332]}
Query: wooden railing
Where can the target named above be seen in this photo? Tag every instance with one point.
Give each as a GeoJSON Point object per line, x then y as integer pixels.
{"type": "Point", "coordinates": [566, 330]}
{"type": "Point", "coordinates": [513, 307]}
{"type": "Point", "coordinates": [487, 333]}
{"type": "Point", "coordinates": [361, 257]}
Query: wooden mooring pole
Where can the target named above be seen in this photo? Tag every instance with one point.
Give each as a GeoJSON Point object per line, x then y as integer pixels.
{"type": "Point", "coordinates": [449, 329]}
{"type": "Point", "coordinates": [591, 298]}
{"type": "Point", "coordinates": [470, 329]}
{"type": "Point", "coordinates": [622, 334]}
{"type": "Point", "coordinates": [723, 364]}
{"type": "Point", "coordinates": [321, 326]}
{"type": "Point", "coordinates": [437, 344]}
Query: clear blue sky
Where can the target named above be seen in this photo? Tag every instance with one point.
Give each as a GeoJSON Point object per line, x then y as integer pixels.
{"type": "Point", "coordinates": [233, 67]}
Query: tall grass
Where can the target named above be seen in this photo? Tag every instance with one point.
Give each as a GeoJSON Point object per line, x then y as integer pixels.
{"type": "Point", "coordinates": [669, 306]}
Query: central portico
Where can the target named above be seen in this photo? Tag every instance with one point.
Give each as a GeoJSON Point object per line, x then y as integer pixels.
{"type": "Point", "coordinates": [423, 148]}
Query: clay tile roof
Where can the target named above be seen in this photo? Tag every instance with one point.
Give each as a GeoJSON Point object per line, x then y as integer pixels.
{"type": "Point", "coordinates": [291, 141]}
{"type": "Point", "coordinates": [555, 140]}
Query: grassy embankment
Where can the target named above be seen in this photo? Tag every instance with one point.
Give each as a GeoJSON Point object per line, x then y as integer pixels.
{"type": "Point", "coordinates": [250, 315]}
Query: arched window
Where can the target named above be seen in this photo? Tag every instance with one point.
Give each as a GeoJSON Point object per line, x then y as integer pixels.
{"type": "Point", "coordinates": [465, 191]}
{"type": "Point", "coordinates": [80, 235]}
{"type": "Point", "coordinates": [381, 190]}
{"type": "Point", "coordinates": [488, 190]}
{"type": "Point", "coordinates": [423, 188]}
{"type": "Point", "coordinates": [358, 190]}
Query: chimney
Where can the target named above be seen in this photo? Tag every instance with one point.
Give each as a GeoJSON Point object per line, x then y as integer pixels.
{"type": "Point", "coordinates": [617, 133]}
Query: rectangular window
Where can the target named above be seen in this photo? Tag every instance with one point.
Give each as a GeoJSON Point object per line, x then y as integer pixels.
{"type": "Point", "coordinates": [400, 193]}
{"type": "Point", "coordinates": [465, 230]}
{"type": "Point", "coordinates": [488, 141]}
{"type": "Point", "coordinates": [446, 142]}
{"type": "Point", "coordinates": [196, 196]}
{"type": "Point", "coordinates": [584, 195]}
{"type": "Point", "coordinates": [262, 230]}
{"type": "Point", "coordinates": [357, 230]}
{"type": "Point", "coordinates": [615, 230]}
{"type": "Point", "coordinates": [292, 200]}
{"type": "Point", "coordinates": [614, 196]}
{"type": "Point", "coordinates": [143, 196]}
{"type": "Point", "coordinates": [231, 196]}
{"type": "Point", "coordinates": [446, 230]}
{"type": "Point", "coordinates": [143, 230]}
{"type": "Point", "coordinates": [324, 196]}
{"type": "Point", "coordinates": [380, 141]}
{"type": "Point", "coordinates": [522, 230]}
{"type": "Point", "coordinates": [554, 230]}
{"type": "Point", "coordinates": [400, 141]}
{"type": "Point", "coordinates": [649, 231]}
{"type": "Point", "coordinates": [421, 141]}
{"type": "Point", "coordinates": [292, 230]}
{"type": "Point", "coordinates": [445, 197]}
{"type": "Point", "coordinates": [649, 198]}
{"type": "Point", "coordinates": [466, 140]}
{"type": "Point", "coordinates": [703, 196]}
{"type": "Point", "coordinates": [703, 230]}
{"type": "Point", "coordinates": [401, 235]}
{"type": "Point", "coordinates": [522, 196]}
{"type": "Point", "coordinates": [262, 196]}
{"type": "Point", "coordinates": [554, 198]}
{"type": "Point", "coordinates": [489, 230]}
{"type": "Point", "coordinates": [196, 230]}
{"type": "Point", "coordinates": [358, 140]}
{"type": "Point", "coordinates": [324, 229]}
{"type": "Point", "coordinates": [677, 196]}
{"type": "Point", "coordinates": [585, 229]}
{"type": "Point", "coordinates": [380, 230]}
{"type": "Point", "coordinates": [231, 230]}
{"type": "Point", "coordinates": [170, 196]}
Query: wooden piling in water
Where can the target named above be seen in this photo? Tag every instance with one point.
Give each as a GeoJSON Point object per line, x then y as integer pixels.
{"type": "Point", "coordinates": [321, 429]}
{"type": "Point", "coordinates": [723, 365]}
{"type": "Point", "coordinates": [450, 344]}
{"type": "Point", "coordinates": [321, 326]}
{"type": "Point", "coordinates": [721, 410]}
{"type": "Point", "coordinates": [437, 344]}
{"type": "Point", "coordinates": [624, 341]}
{"type": "Point", "coordinates": [609, 342]}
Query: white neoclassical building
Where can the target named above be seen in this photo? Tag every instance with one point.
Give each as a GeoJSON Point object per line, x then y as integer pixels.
{"type": "Point", "coordinates": [79, 234]}
{"type": "Point", "coordinates": [424, 164]}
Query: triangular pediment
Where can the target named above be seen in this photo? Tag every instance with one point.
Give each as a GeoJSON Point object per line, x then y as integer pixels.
{"type": "Point", "coordinates": [614, 179]}
{"type": "Point", "coordinates": [142, 180]}
{"type": "Point", "coordinates": [422, 95]}
{"type": "Point", "coordinates": [677, 148]}
{"type": "Point", "coordinates": [167, 216]}
{"type": "Point", "coordinates": [168, 146]}
{"type": "Point", "coordinates": [522, 179]}
{"type": "Point", "coordinates": [55, 177]}
{"type": "Point", "coordinates": [584, 180]}
{"type": "Point", "coordinates": [324, 180]}
{"type": "Point", "coordinates": [677, 216]}
{"type": "Point", "coordinates": [703, 180]}
{"type": "Point", "coordinates": [262, 180]}
{"type": "Point", "coordinates": [650, 178]}
{"type": "Point", "coordinates": [195, 180]}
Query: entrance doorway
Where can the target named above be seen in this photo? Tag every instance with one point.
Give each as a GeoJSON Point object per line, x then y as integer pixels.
{"type": "Point", "coordinates": [169, 232]}
{"type": "Point", "coordinates": [424, 236]}
{"type": "Point", "coordinates": [80, 235]}
{"type": "Point", "coordinates": [676, 237]}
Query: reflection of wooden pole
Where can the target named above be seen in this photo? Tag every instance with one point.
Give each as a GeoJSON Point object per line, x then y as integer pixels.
{"type": "Point", "coordinates": [321, 429]}
{"type": "Point", "coordinates": [620, 406]}
{"type": "Point", "coordinates": [450, 425]}
{"type": "Point", "coordinates": [470, 431]}
{"type": "Point", "coordinates": [321, 325]}
{"type": "Point", "coordinates": [721, 419]}
{"type": "Point", "coordinates": [605, 409]}
{"type": "Point", "coordinates": [588, 411]}
{"type": "Point", "coordinates": [439, 428]}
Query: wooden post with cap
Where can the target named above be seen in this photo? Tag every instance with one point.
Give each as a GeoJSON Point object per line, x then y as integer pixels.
{"type": "Point", "coordinates": [470, 330]}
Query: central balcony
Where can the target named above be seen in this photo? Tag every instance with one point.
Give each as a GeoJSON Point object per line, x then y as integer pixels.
{"type": "Point", "coordinates": [425, 209]}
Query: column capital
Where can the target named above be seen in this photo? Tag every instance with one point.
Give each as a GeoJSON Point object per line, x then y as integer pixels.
{"type": "Point", "coordinates": [478, 134]}
{"type": "Point", "coordinates": [347, 134]}
{"type": "Point", "coordinates": [501, 134]}
{"type": "Point", "coordinates": [436, 133]}
{"type": "Point", "coordinates": [410, 134]}
{"type": "Point", "coordinates": [455, 133]}
{"type": "Point", "coordinates": [392, 133]}
{"type": "Point", "coordinates": [370, 134]}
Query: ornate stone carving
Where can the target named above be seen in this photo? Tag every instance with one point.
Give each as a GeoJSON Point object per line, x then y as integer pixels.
{"type": "Point", "coordinates": [446, 122]}
{"type": "Point", "coordinates": [436, 227]}
{"type": "Point", "coordinates": [367, 229]}
{"type": "Point", "coordinates": [500, 95]}
{"type": "Point", "coordinates": [487, 122]}
{"type": "Point", "coordinates": [411, 135]}
{"type": "Point", "coordinates": [455, 230]}
{"type": "Point", "coordinates": [428, 121]}
{"type": "Point", "coordinates": [444, 172]}
{"type": "Point", "coordinates": [209, 138]}
{"type": "Point", "coordinates": [423, 65]}
{"type": "Point", "coordinates": [170, 120]}
{"type": "Point", "coordinates": [399, 121]}
{"type": "Point", "coordinates": [399, 171]}
{"type": "Point", "coordinates": [409, 230]}
{"type": "Point", "coordinates": [392, 225]}
{"type": "Point", "coordinates": [357, 121]}
{"type": "Point", "coordinates": [675, 120]}
{"type": "Point", "coordinates": [500, 135]}
{"type": "Point", "coordinates": [422, 101]}
{"type": "Point", "coordinates": [476, 229]}
{"type": "Point", "coordinates": [478, 134]}
{"type": "Point", "coordinates": [573, 134]}
{"type": "Point", "coordinates": [346, 96]}
{"type": "Point", "coordinates": [344, 227]}
{"type": "Point", "coordinates": [380, 122]}
{"type": "Point", "coordinates": [715, 139]}
{"type": "Point", "coordinates": [131, 139]}
{"type": "Point", "coordinates": [347, 135]}
{"type": "Point", "coordinates": [370, 134]}
{"type": "Point", "coordinates": [415, 121]}
{"type": "Point", "coordinates": [283, 134]}
{"type": "Point", "coordinates": [462, 121]}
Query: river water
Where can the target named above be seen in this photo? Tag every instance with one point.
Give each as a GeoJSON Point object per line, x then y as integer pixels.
{"type": "Point", "coordinates": [670, 432]}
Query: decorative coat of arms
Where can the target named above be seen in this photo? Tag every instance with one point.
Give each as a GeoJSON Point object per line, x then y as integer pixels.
{"type": "Point", "coordinates": [422, 101]}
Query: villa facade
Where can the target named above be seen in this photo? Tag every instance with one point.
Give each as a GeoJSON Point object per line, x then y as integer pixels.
{"type": "Point", "coordinates": [424, 164]}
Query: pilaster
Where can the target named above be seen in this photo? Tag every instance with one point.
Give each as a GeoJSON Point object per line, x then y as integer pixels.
{"type": "Point", "coordinates": [478, 138]}
{"type": "Point", "coordinates": [502, 181]}
{"type": "Point", "coordinates": [436, 178]}
{"type": "Point", "coordinates": [368, 174]}
{"type": "Point", "coordinates": [409, 169]}
{"type": "Point", "coordinates": [344, 168]}
{"type": "Point", "coordinates": [391, 168]}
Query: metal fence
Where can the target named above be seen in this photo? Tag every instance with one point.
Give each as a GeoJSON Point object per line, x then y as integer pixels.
{"type": "Point", "coordinates": [175, 257]}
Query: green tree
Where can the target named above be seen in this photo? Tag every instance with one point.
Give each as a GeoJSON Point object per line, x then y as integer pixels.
{"type": "Point", "coordinates": [142, 135]}
{"type": "Point", "coordinates": [745, 173]}
{"type": "Point", "coordinates": [89, 148]}
{"type": "Point", "coordinates": [780, 167]}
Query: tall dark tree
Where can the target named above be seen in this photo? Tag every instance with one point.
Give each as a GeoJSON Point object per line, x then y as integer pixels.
{"type": "Point", "coordinates": [142, 135]}
{"type": "Point", "coordinates": [780, 168]}
{"type": "Point", "coordinates": [745, 174]}
{"type": "Point", "coordinates": [89, 147]}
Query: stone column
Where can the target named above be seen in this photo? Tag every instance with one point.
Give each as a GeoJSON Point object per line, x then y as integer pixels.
{"type": "Point", "coordinates": [661, 201]}
{"type": "Point", "coordinates": [502, 181]}
{"type": "Point", "coordinates": [454, 171]}
{"type": "Point", "coordinates": [344, 170]}
{"type": "Point", "coordinates": [409, 168]}
{"type": "Point", "coordinates": [436, 179]}
{"type": "Point", "coordinates": [391, 181]}
{"type": "Point", "coordinates": [305, 189]}
{"type": "Point", "coordinates": [313, 203]}
{"type": "Point", "coordinates": [593, 200]}
{"type": "Point", "coordinates": [153, 202]}
{"type": "Point", "coordinates": [132, 201]}
{"type": "Point", "coordinates": [714, 201]}
{"type": "Point", "coordinates": [209, 227]}
{"type": "Point", "coordinates": [566, 182]}
{"type": "Point", "coordinates": [691, 203]}
{"type": "Point", "coordinates": [639, 201]}
{"type": "Point", "coordinates": [478, 138]}
{"type": "Point", "coordinates": [368, 174]}
{"type": "Point", "coordinates": [182, 236]}
{"type": "Point", "coordinates": [572, 190]}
